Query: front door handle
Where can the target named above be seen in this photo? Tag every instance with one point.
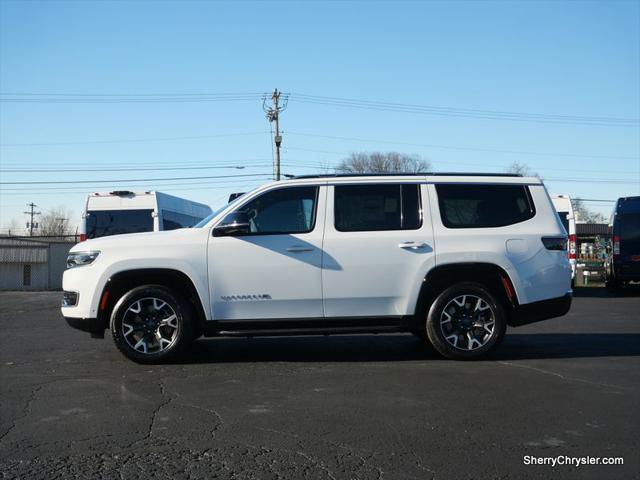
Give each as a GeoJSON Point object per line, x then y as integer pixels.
{"type": "Point", "coordinates": [299, 249]}
{"type": "Point", "coordinates": [412, 245]}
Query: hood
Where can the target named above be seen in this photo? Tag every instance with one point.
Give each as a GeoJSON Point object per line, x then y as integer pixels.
{"type": "Point", "coordinates": [139, 239]}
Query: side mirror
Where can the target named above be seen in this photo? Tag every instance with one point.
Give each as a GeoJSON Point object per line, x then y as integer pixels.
{"type": "Point", "coordinates": [236, 223]}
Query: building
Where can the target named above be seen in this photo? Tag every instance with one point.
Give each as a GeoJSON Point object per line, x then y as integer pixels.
{"type": "Point", "coordinates": [32, 264]}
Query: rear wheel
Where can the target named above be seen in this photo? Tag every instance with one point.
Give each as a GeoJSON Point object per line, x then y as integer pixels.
{"type": "Point", "coordinates": [151, 324]}
{"type": "Point", "coordinates": [466, 321]}
{"type": "Point", "coordinates": [613, 285]}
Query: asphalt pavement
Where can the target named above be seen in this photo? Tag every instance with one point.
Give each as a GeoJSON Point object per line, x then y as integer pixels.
{"type": "Point", "coordinates": [337, 407]}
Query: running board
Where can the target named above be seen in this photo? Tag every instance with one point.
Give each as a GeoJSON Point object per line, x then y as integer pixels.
{"type": "Point", "coordinates": [306, 326]}
{"type": "Point", "coordinates": [308, 331]}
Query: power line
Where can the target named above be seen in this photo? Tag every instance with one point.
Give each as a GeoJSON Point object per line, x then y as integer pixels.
{"type": "Point", "coordinates": [114, 98]}
{"type": "Point", "coordinates": [333, 137]}
{"type": "Point", "coordinates": [247, 162]}
{"type": "Point", "coordinates": [197, 94]}
{"type": "Point", "coordinates": [132, 140]}
{"type": "Point", "coordinates": [466, 113]}
{"type": "Point", "coordinates": [244, 185]}
{"type": "Point", "coordinates": [594, 200]}
{"type": "Point", "coordinates": [56, 182]}
{"type": "Point", "coordinates": [110, 167]}
{"type": "Point", "coordinates": [475, 164]}
{"type": "Point", "coordinates": [29, 97]}
{"type": "Point", "coordinates": [454, 147]}
{"type": "Point", "coordinates": [135, 169]}
{"type": "Point", "coordinates": [144, 185]}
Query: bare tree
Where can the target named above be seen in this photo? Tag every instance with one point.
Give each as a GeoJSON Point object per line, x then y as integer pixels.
{"type": "Point", "coordinates": [585, 214]}
{"type": "Point", "coordinates": [14, 227]}
{"type": "Point", "coordinates": [520, 168]}
{"type": "Point", "coordinates": [55, 223]}
{"type": "Point", "coordinates": [378, 162]}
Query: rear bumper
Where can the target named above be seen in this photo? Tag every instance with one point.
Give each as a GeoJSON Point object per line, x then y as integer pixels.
{"type": "Point", "coordinates": [94, 326]}
{"type": "Point", "coordinates": [538, 311]}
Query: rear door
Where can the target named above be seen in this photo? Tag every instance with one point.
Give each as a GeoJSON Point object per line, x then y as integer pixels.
{"type": "Point", "coordinates": [378, 243]}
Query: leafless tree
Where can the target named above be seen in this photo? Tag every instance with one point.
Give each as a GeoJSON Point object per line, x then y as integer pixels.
{"type": "Point", "coordinates": [520, 168]}
{"type": "Point", "coordinates": [585, 214]}
{"type": "Point", "coordinates": [55, 223]}
{"type": "Point", "coordinates": [379, 162]}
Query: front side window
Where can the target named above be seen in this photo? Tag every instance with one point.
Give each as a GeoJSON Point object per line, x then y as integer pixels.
{"type": "Point", "coordinates": [359, 208]}
{"type": "Point", "coordinates": [102, 223]}
{"type": "Point", "coordinates": [283, 211]}
{"type": "Point", "coordinates": [484, 206]}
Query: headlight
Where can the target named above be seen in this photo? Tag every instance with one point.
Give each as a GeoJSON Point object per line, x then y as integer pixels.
{"type": "Point", "coordinates": [77, 259]}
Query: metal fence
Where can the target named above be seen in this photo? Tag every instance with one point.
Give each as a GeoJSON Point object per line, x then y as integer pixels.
{"type": "Point", "coordinates": [30, 264]}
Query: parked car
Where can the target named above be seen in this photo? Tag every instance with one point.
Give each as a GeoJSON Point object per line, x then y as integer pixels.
{"type": "Point", "coordinates": [452, 258]}
{"type": "Point", "coordinates": [122, 211]}
{"type": "Point", "coordinates": [564, 207]}
{"type": "Point", "coordinates": [623, 261]}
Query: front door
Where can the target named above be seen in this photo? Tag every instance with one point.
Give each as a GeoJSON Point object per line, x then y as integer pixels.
{"type": "Point", "coordinates": [274, 271]}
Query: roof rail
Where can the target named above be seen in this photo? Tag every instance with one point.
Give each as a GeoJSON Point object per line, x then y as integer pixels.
{"type": "Point", "coordinates": [417, 174]}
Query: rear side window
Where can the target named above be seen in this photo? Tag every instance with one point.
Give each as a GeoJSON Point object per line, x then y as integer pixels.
{"type": "Point", "coordinates": [360, 208]}
{"type": "Point", "coordinates": [484, 206]}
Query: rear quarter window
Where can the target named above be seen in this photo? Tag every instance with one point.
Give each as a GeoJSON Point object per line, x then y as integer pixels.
{"type": "Point", "coordinates": [484, 206]}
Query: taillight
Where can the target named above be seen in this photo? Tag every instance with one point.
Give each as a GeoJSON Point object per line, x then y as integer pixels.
{"type": "Point", "coordinates": [555, 243]}
{"type": "Point", "coordinates": [83, 237]}
{"type": "Point", "coordinates": [616, 246]}
{"type": "Point", "coordinates": [572, 247]}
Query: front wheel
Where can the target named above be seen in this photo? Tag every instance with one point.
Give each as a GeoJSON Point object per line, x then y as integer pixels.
{"type": "Point", "coordinates": [466, 321]}
{"type": "Point", "coordinates": [151, 324]}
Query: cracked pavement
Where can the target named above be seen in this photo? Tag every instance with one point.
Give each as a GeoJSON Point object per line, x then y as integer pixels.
{"type": "Point", "coordinates": [339, 407]}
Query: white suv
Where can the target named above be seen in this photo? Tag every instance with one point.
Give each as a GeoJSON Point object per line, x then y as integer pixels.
{"type": "Point", "coordinates": [451, 258]}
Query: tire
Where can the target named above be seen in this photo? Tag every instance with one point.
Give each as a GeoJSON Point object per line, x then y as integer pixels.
{"type": "Point", "coordinates": [152, 324]}
{"type": "Point", "coordinates": [613, 285]}
{"type": "Point", "coordinates": [466, 321]}
{"type": "Point", "coordinates": [421, 334]}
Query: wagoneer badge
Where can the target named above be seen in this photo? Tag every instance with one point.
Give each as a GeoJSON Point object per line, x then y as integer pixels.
{"type": "Point", "coordinates": [232, 298]}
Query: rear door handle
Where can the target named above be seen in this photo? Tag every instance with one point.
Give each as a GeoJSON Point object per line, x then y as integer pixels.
{"type": "Point", "coordinates": [299, 249]}
{"type": "Point", "coordinates": [412, 245]}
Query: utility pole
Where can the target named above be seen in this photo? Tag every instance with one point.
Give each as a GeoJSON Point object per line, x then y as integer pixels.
{"type": "Point", "coordinates": [273, 115]}
{"type": "Point", "coordinates": [32, 213]}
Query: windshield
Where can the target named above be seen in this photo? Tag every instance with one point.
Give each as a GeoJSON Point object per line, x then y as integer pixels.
{"type": "Point", "coordinates": [206, 220]}
{"type": "Point", "coordinates": [102, 223]}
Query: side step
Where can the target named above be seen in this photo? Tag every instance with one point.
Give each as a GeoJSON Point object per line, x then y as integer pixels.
{"type": "Point", "coordinates": [307, 331]}
{"type": "Point", "coordinates": [305, 326]}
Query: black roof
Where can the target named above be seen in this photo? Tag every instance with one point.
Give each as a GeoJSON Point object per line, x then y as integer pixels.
{"type": "Point", "coordinates": [417, 174]}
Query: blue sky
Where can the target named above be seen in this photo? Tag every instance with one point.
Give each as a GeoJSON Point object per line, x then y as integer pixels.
{"type": "Point", "coordinates": [552, 58]}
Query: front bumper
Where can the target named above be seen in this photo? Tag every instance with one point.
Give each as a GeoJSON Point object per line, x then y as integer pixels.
{"type": "Point", "coordinates": [538, 311]}
{"type": "Point", "coordinates": [95, 326]}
